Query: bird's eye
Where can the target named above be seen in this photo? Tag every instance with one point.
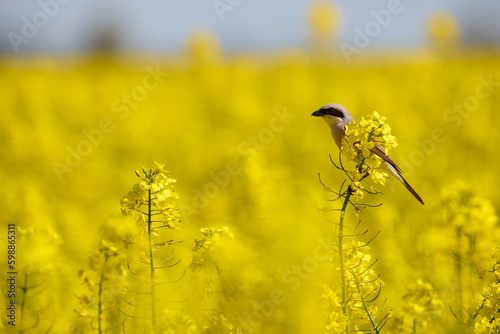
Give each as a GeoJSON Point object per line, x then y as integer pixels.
{"type": "Point", "coordinates": [336, 113]}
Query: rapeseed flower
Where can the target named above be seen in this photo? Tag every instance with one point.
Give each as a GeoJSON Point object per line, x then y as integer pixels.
{"type": "Point", "coordinates": [358, 145]}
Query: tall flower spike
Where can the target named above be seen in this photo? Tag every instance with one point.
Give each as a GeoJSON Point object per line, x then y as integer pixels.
{"type": "Point", "coordinates": [151, 203]}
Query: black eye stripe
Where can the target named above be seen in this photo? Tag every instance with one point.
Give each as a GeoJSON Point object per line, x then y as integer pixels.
{"type": "Point", "coordinates": [334, 112]}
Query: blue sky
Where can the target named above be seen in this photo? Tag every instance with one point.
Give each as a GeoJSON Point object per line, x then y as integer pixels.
{"type": "Point", "coordinates": [162, 26]}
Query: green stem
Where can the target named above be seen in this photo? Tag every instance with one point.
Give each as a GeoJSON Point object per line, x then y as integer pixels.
{"type": "Point", "coordinates": [220, 281]}
{"type": "Point", "coordinates": [365, 306]}
{"type": "Point", "coordinates": [99, 305]}
{"type": "Point", "coordinates": [152, 264]}
{"type": "Point", "coordinates": [345, 308]}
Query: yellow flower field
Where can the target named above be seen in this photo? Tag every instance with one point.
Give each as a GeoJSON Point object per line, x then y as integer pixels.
{"type": "Point", "coordinates": [237, 135]}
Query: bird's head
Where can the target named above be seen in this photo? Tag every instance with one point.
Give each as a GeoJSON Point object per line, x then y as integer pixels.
{"type": "Point", "coordinates": [333, 114]}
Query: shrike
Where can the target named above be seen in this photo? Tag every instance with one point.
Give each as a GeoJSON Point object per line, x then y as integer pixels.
{"type": "Point", "coordinates": [337, 117]}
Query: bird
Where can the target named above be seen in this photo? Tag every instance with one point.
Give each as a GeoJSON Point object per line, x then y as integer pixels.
{"type": "Point", "coordinates": [337, 117]}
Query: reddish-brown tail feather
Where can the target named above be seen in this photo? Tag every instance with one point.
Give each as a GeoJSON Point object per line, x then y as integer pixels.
{"type": "Point", "coordinates": [413, 192]}
{"type": "Point", "coordinates": [396, 171]}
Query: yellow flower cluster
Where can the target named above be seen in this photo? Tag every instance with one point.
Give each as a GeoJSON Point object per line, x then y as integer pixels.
{"type": "Point", "coordinates": [336, 321]}
{"type": "Point", "coordinates": [363, 287]}
{"type": "Point", "coordinates": [486, 319]}
{"type": "Point", "coordinates": [157, 190]}
{"type": "Point", "coordinates": [422, 304]}
{"type": "Point", "coordinates": [358, 144]}
{"type": "Point", "coordinates": [212, 238]}
{"type": "Point", "coordinates": [104, 281]}
{"type": "Point", "coordinates": [472, 220]}
{"type": "Point", "coordinates": [465, 210]}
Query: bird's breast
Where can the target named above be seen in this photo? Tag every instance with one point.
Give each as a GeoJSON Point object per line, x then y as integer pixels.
{"type": "Point", "coordinates": [338, 132]}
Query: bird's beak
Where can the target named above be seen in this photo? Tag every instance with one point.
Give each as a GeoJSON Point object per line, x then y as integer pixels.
{"type": "Point", "coordinates": [318, 113]}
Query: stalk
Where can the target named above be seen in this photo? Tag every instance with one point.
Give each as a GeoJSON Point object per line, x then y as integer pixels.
{"type": "Point", "coordinates": [365, 307]}
{"type": "Point", "coordinates": [152, 264]}
{"type": "Point", "coordinates": [99, 305]}
{"type": "Point", "coordinates": [345, 308]}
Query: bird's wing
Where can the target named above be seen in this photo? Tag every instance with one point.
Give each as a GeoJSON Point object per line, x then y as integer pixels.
{"type": "Point", "coordinates": [379, 150]}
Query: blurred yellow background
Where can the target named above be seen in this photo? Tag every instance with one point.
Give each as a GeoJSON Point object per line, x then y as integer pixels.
{"type": "Point", "coordinates": [236, 133]}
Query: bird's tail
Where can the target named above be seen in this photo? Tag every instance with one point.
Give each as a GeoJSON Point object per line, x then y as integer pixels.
{"type": "Point", "coordinates": [398, 175]}
{"type": "Point", "coordinates": [410, 189]}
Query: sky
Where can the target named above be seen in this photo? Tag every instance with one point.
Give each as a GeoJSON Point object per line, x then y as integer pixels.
{"type": "Point", "coordinates": [162, 26]}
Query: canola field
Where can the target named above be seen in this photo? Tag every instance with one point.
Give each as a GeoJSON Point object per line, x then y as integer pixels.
{"type": "Point", "coordinates": [246, 241]}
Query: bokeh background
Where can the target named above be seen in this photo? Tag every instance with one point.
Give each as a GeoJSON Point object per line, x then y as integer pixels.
{"type": "Point", "coordinates": [221, 92]}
